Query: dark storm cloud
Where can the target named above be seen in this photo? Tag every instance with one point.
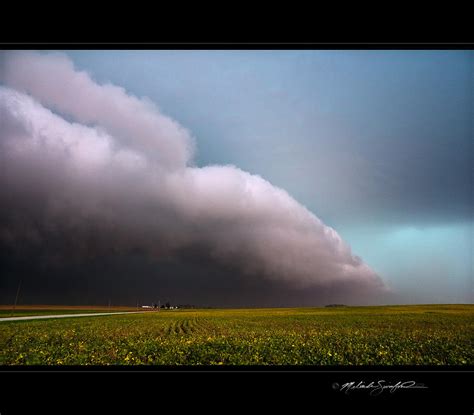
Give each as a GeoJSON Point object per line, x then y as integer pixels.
{"type": "Point", "coordinates": [119, 181]}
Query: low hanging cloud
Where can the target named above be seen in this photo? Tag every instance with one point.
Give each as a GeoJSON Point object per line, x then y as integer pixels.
{"type": "Point", "coordinates": [119, 178]}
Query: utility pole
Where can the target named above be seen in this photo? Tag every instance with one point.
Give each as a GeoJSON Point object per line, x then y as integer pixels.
{"type": "Point", "coordinates": [159, 305]}
{"type": "Point", "coordinates": [16, 297]}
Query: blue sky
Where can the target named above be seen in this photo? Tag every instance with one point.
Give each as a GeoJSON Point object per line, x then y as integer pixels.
{"type": "Point", "coordinates": [378, 144]}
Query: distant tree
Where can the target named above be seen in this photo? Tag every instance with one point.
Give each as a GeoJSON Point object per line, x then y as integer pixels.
{"type": "Point", "coordinates": [168, 305]}
{"type": "Point", "coordinates": [155, 305]}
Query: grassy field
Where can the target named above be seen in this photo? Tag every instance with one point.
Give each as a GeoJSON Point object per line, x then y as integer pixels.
{"type": "Point", "coordinates": [392, 335]}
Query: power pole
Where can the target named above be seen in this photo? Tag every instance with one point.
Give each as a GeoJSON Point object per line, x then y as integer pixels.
{"type": "Point", "coordinates": [16, 297]}
{"type": "Point", "coordinates": [159, 305]}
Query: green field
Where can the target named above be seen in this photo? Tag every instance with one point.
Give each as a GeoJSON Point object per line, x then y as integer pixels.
{"type": "Point", "coordinates": [391, 335]}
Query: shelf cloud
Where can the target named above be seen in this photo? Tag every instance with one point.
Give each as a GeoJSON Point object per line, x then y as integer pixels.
{"type": "Point", "coordinates": [90, 170]}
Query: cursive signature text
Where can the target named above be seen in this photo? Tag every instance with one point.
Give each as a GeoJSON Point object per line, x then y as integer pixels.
{"type": "Point", "coordinates": [376, 388]}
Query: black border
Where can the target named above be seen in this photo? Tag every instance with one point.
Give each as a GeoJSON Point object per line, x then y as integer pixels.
{"type": "Point", "coordinates": [237, 45]}
{"type": "Point", "coordinates": [186, 389]}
